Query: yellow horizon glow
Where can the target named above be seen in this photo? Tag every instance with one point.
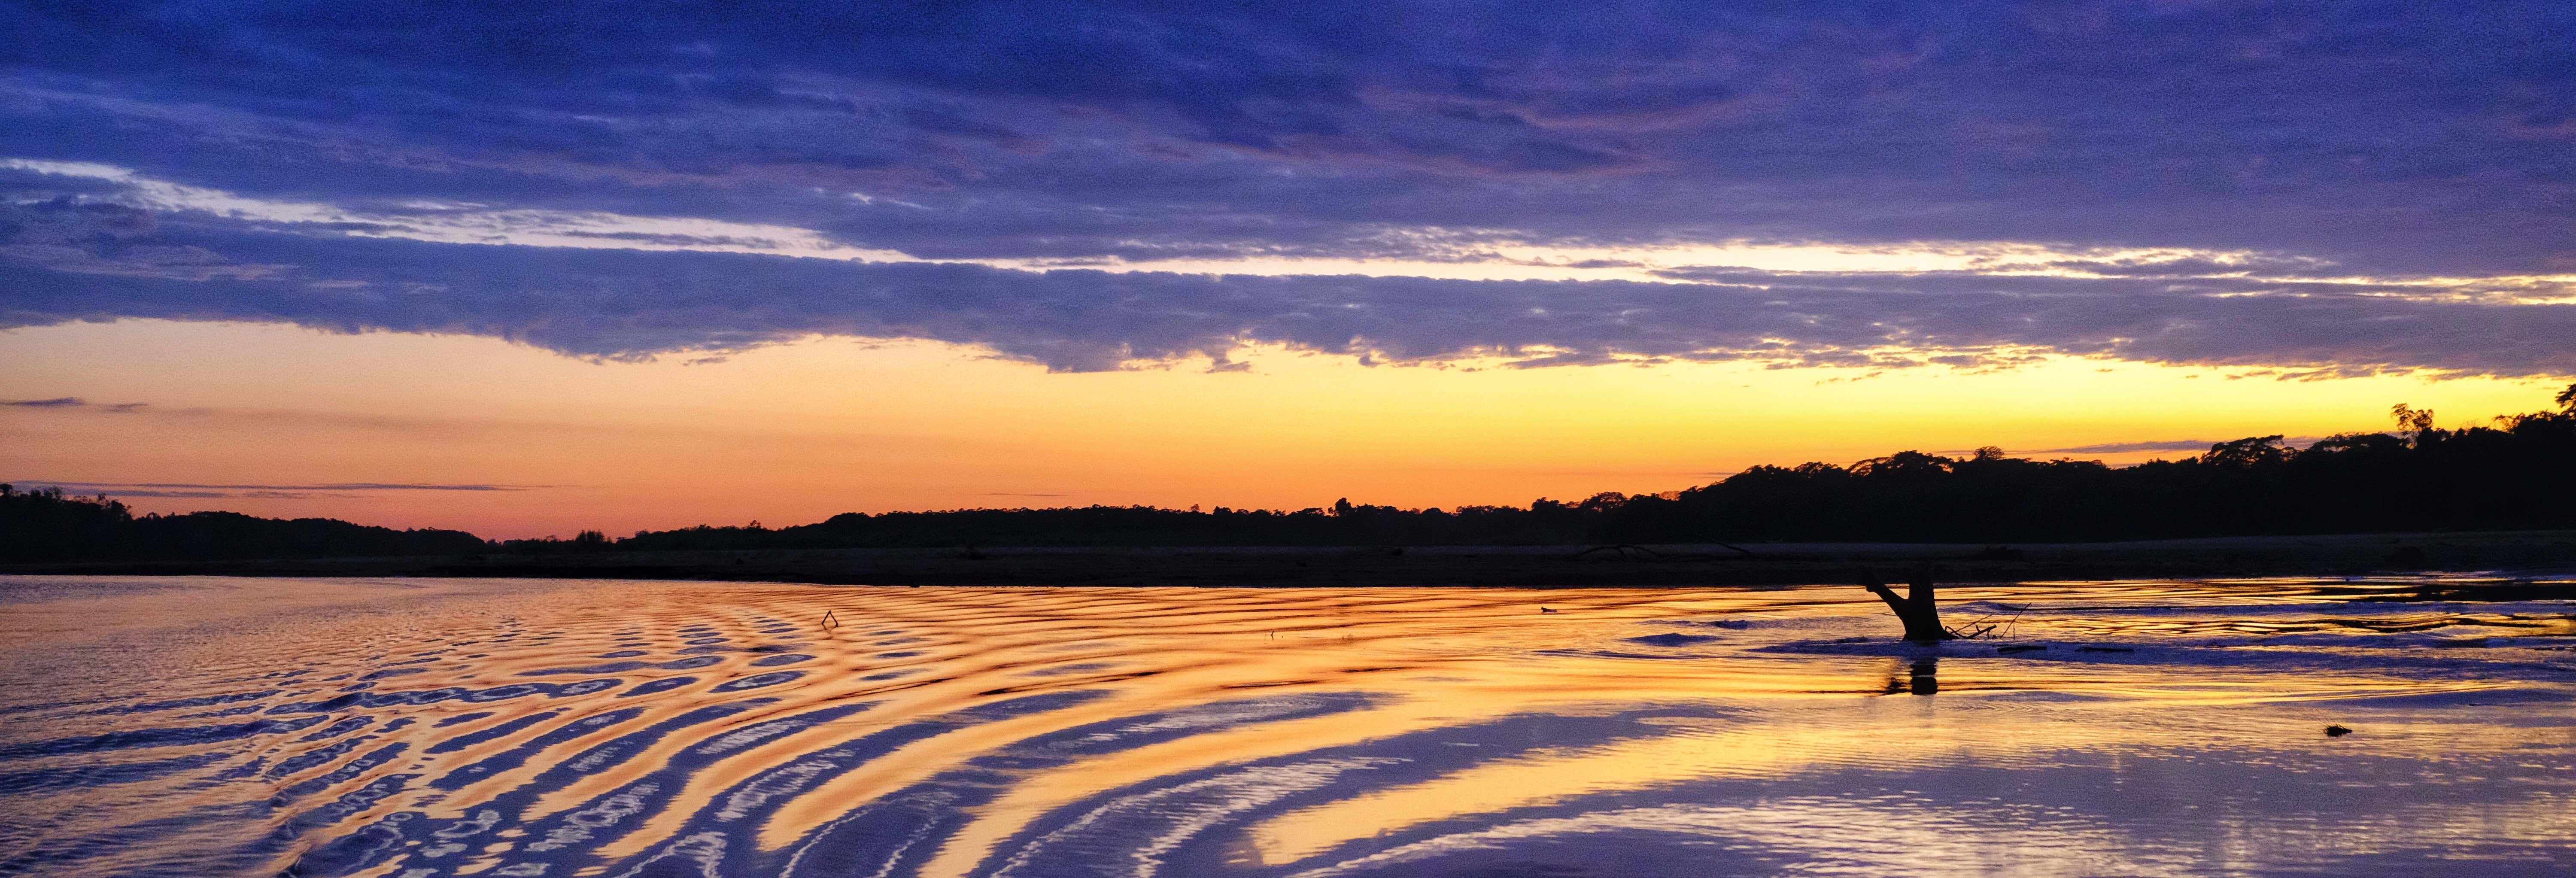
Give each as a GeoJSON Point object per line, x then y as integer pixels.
{"type": "Point", "coordinates": [794, 433]}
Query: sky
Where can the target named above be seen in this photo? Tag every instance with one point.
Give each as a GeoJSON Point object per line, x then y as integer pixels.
{"type": "Point", "coordinates": [530, 268]}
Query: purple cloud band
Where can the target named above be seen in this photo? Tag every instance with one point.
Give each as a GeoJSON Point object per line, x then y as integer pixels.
{"type": "Point", "coordinates": [627, 305]}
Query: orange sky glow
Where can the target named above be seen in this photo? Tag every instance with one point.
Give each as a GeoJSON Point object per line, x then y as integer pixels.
{"type": "Point", "coordinates": [267, 416]}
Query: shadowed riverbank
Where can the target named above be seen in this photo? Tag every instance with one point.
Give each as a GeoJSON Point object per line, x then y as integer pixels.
{"type": "Point", "coordinates": [1516, 566]}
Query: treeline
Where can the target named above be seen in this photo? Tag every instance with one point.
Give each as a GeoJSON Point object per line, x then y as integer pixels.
{"type": "Point", "coordinates": [46, 525]}
{"type": "Point", "coordinates": [1343, 524]}
{"type": "Point", "coordinates": [2520, 473]}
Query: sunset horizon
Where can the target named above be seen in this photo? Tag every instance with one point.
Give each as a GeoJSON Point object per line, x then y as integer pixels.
{"type": "Point", "coordinates": [1689, 425]}
{"type": "Point", "coordinates": [698, 270]}
{"type": "Point", "coordinates": [1389, 439]}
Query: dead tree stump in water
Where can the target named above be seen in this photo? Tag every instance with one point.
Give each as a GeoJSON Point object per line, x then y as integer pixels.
{"type": "Point", "coordinates": [1922, 619]}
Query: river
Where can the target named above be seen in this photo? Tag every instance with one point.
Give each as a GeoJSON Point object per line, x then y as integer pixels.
{"type": "Point", "coordinates": [420, 727]}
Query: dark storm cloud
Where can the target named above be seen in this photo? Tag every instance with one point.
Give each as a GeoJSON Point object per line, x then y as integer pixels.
{"type": "Point", "coordinates": [627, 305]}
{"type": "Point", "coordinates": [2384, 139]}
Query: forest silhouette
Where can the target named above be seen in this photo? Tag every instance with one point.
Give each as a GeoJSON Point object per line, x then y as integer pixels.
{"type": "Point", "coordinates": [2518, 473]}
{"type": "Point", "coordinates": [46, 525]}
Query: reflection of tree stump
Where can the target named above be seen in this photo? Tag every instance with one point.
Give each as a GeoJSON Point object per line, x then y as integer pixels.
{"type": "Point", "coordinates": [1921, 676]}
{"type": "Point", "coordinates": [1922, 619]}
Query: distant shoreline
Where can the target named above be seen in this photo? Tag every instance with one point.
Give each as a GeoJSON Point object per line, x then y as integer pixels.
{"type": "Point", "coordinates": [1758, 564]}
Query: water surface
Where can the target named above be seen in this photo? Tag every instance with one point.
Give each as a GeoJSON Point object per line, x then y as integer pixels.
{"type": "Point", "coordinates": [415, 728]}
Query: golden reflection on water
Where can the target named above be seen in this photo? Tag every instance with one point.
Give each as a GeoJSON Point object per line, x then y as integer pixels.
{"type": "Point", "coordinates": [433, 727]}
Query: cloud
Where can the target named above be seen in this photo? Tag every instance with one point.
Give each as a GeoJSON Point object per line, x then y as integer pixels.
{"type": "Point", "coordinates": [121, 487]}
{"type": "Point", "coordinates": [1101, 128]}
{"type": "Point", "coordinates": [76, 224]}
{"type": "Point", "coordinates": [634, 305]}
{"type": "Point", "coordinates": [74, 402]}
{"type": "Point", "coordinates": [124, 492]}
{"type": "Point", "coordinates": [2266, 184]}
{"type": "Point", "coordinates": [2192, 445]}
{"type": "Point", "coordinates": [265, 492]}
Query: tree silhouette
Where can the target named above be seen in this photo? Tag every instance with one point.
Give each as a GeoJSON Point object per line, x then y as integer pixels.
{"type": "Point", "coordinates": [2415, 422]}
{"type": "Point", "coordinates": [2517, 474]}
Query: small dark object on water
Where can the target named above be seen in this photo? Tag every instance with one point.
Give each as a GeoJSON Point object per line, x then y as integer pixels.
{"type": "Point", "coordinates": [2104, 649]}
{"type": "Point", "coordinates": [1671, 639]}
{"type": "Point", "coordinates": [2337, 731]}
{"type": "Point", "coordinates": [1546, 609]}
{"type": "Point", "coordinates": [2021, 648]}
{"type": "Point", "coordinates": [1997, 553]}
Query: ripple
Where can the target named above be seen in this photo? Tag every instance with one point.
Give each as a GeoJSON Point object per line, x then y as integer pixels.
{"type": "Point", "coordinates": [156, 737]}
{"type": "Point", "coordinates": [657, 686]}
{"type": "Point", "coordinates": [1283, 732]}
{"type": "Point", "coordinates": [756, 681]}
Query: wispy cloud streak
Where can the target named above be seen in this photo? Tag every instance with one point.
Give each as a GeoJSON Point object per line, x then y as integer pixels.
{"type": "Point", "coordinates": [186, 490]}
{"type": "Point", "coordinates": [76, 403]}
{"type": "Point", "coordinates": [331, 486]}
{"type": "Point", "coordinates": [637, 305]}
